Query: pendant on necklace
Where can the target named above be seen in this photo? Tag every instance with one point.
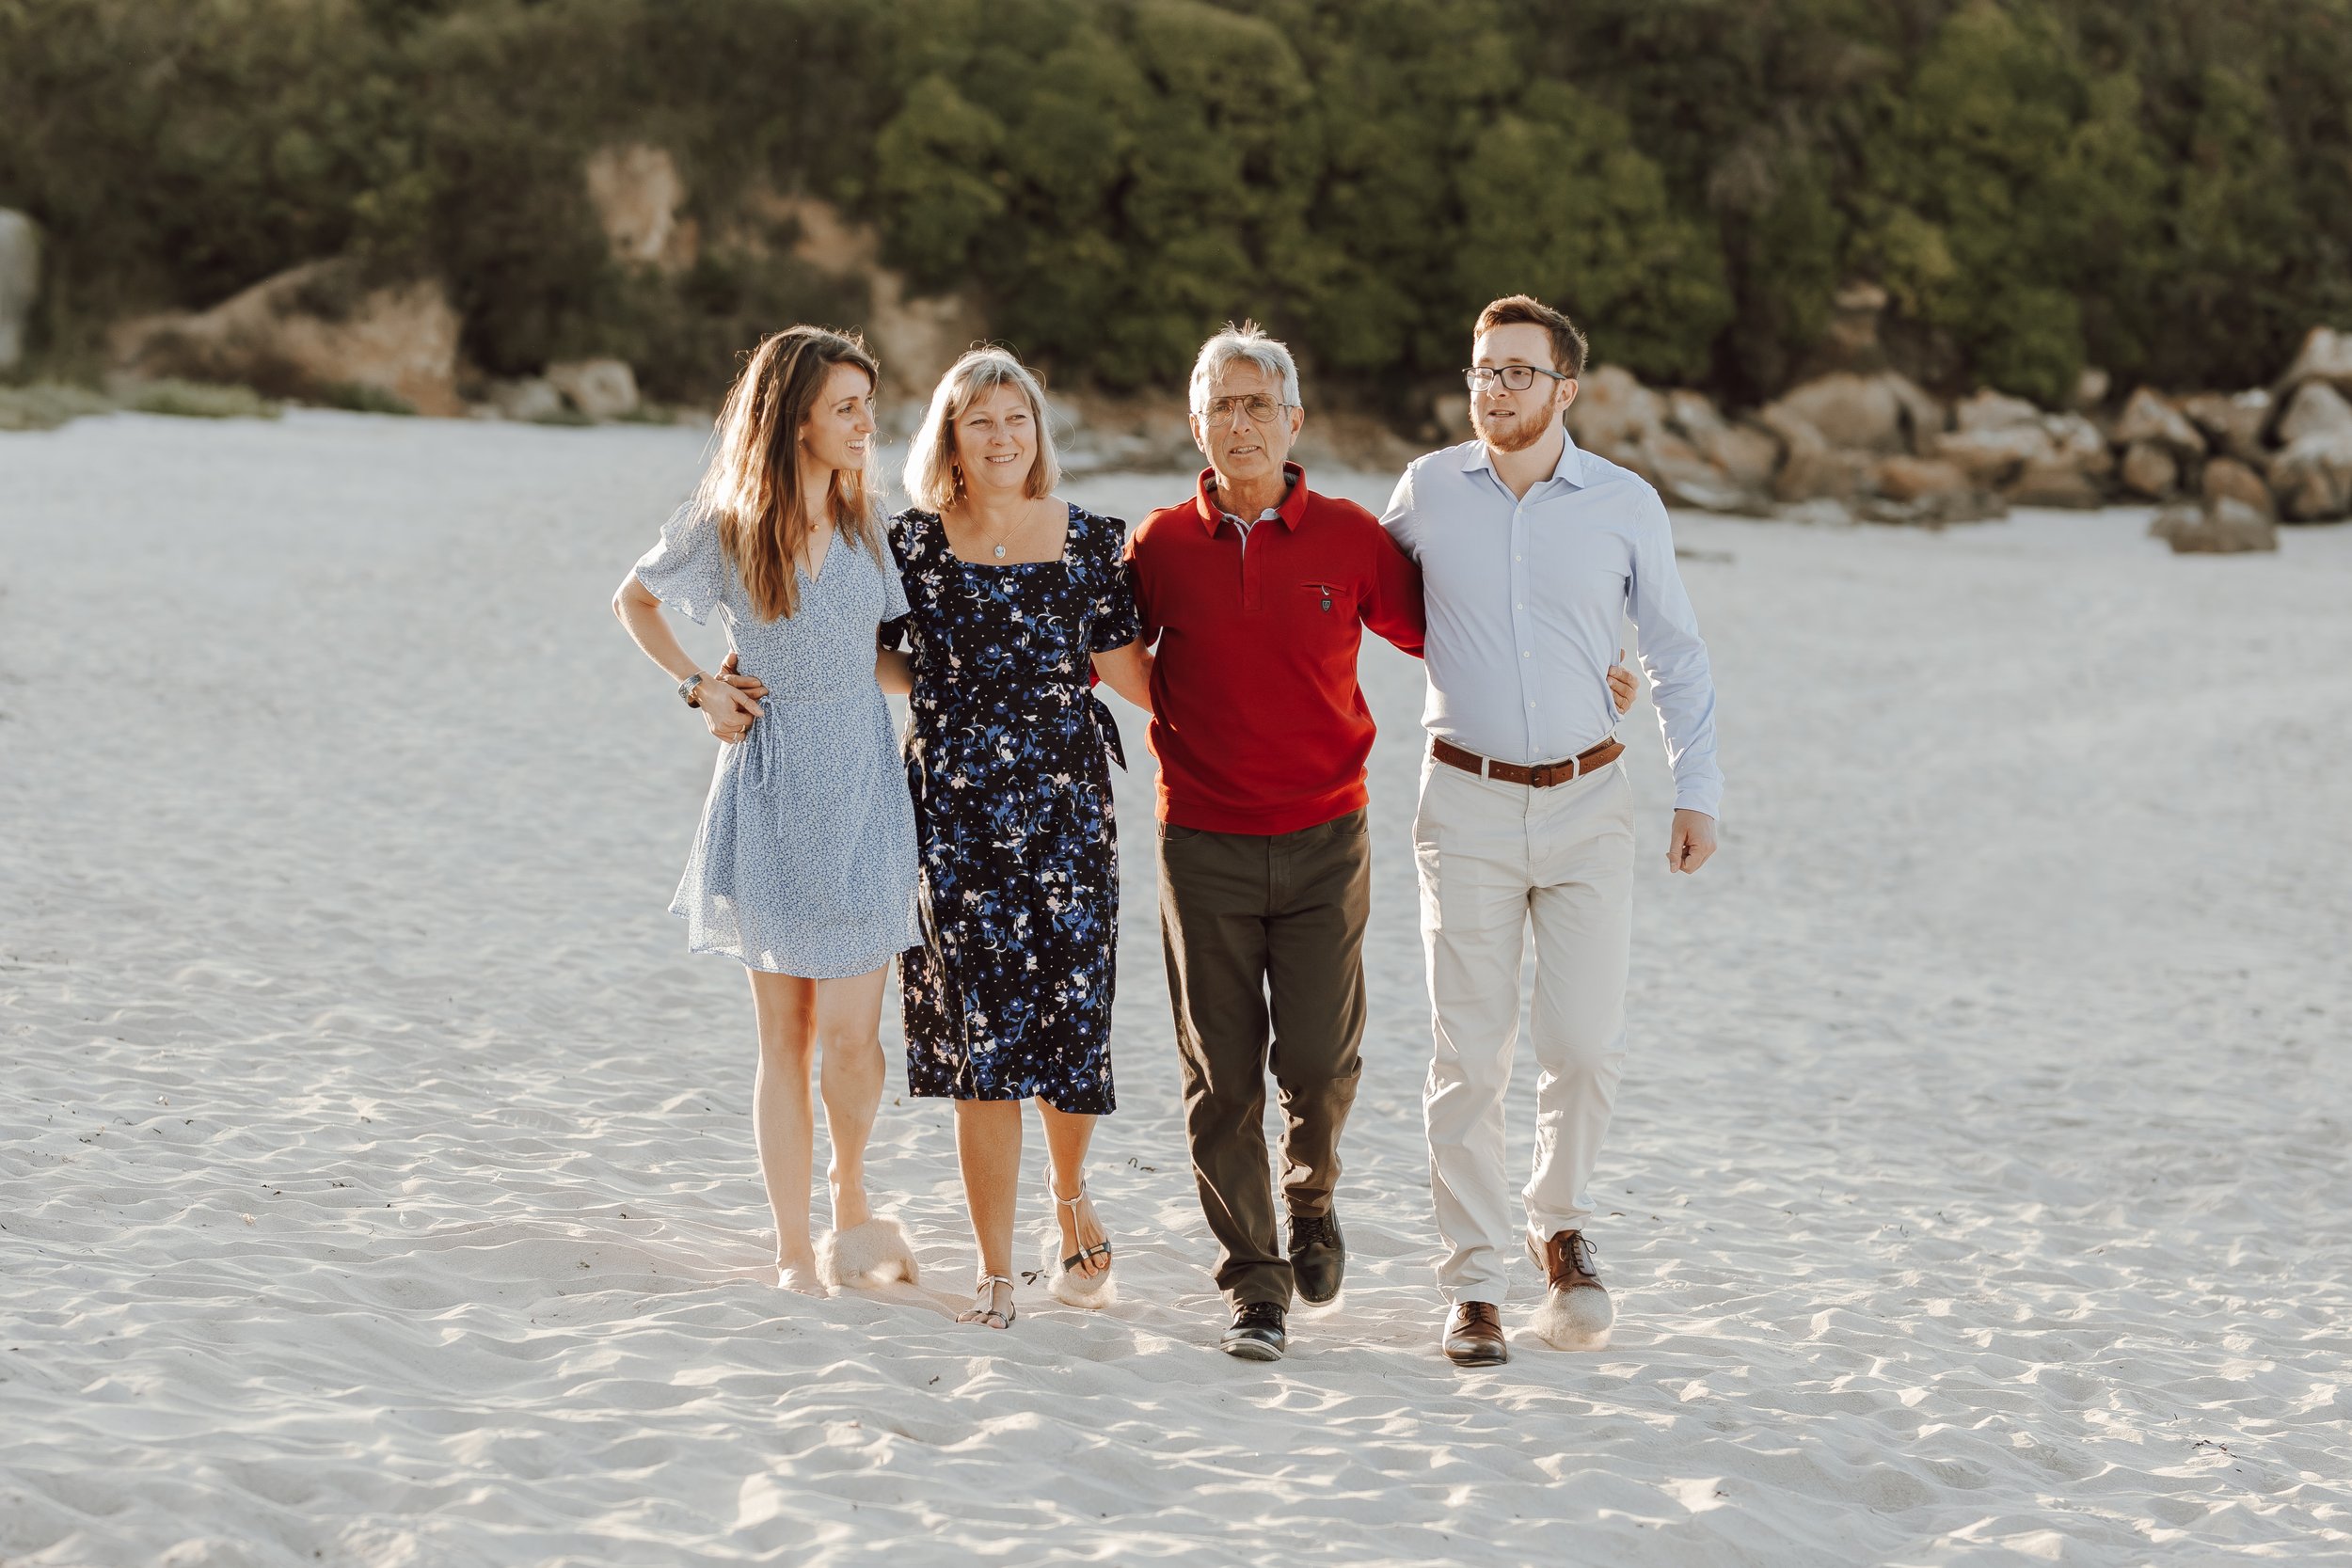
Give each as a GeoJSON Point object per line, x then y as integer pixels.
{"type": "Point", "coordinates": [1000, 553]}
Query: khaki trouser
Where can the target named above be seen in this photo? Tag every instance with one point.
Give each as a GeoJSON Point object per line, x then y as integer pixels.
{"type": "Point", "coordinates": [1495, 858]}
{"type": "Point", "coordinates": [1264, 939]}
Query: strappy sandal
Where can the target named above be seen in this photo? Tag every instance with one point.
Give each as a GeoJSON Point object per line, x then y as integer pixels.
{"type": "Point", "coordinates": [985, 1310]}
{"type": "Point", "coordinates": [1064, 1281]}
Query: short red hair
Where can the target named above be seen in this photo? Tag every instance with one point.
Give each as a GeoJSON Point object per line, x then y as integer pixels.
{"type": "Point", "coordinates": [1567, 343]}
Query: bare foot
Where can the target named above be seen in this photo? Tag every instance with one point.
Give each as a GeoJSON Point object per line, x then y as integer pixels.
{"type": "Point", "coordinates": [796, 1269]}
{"type": "Point", "coordinates": [1081, 1232]}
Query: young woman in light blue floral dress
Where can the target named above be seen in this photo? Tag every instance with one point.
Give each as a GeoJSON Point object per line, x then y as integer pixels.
{"type": "Point", "coordinates": [802, 868]}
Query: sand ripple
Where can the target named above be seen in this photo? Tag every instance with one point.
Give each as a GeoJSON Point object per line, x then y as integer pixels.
{"type": "Point", "coordinates": [374, 1171]}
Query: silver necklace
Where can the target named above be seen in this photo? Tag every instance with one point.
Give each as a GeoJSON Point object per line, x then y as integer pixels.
{"type": "Point", "coordinates": [1007, 534]}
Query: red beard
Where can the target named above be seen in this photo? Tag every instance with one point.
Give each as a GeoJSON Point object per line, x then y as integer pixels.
{"type": "Point", "coordinates": [1521, 434]}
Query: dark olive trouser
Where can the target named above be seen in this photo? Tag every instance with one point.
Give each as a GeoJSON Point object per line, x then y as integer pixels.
{"type": "Point", "coordinates": [1265, 938]}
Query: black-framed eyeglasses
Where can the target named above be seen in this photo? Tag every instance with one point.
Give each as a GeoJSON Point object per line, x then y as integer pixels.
{"type": "Point", "coordinates": [1260, 408]}
{"type": "Point", "coordinates": [1519, 378]}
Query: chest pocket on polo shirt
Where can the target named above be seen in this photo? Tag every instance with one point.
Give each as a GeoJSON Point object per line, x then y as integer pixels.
{"type": "Point", "coordinates": [1328, 598]}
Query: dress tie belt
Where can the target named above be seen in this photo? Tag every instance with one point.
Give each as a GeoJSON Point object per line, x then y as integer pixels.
{"type": "Point", "coordinates": [1020, 693]}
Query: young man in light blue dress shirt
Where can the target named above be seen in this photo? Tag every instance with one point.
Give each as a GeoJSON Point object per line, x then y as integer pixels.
{"type": "Point", "coordinates": [1533, 555]}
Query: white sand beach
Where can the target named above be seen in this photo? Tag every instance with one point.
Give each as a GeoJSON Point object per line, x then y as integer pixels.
{"type": "Point", "coordinates": [376, 1171]}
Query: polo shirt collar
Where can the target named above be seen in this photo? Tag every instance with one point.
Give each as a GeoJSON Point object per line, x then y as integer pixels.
{"type": "Point", "coordinates": [1291, 511]}
{"type": "Point", "coordinates": [1570, 469]}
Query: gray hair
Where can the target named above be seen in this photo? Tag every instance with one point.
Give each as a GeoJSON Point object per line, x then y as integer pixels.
{"type": "Point", "coordinates": [1245, 341]}
{"type": "Point", "coordinates": [930, 476]}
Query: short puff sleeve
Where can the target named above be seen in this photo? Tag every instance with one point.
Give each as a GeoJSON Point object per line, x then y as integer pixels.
{"type": "Point", "coordinates": [1112, 620]}
{"type": "Point", "coordinates": [688, 569]}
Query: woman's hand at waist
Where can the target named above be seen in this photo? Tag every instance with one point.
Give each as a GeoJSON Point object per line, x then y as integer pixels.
{"type": "Point", "coordinates": [731, 701]}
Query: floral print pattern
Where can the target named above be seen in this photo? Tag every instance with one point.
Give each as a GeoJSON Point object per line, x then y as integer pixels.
{"type": "Point", "coordinates": [1010, 994]}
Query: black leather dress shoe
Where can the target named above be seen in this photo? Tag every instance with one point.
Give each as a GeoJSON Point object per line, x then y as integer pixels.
{"type": "Point", "coordinates": [1256, 1332]}
{"type": "Point", "coordinates": [1318, 1258]}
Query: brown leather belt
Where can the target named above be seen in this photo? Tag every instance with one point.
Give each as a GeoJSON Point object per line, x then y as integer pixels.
{"type": "Point", "coordinates": [1542, 776]}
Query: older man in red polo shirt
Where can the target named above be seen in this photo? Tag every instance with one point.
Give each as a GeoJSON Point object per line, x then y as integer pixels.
{"type": "Point", "coordinates": [1257, 591]}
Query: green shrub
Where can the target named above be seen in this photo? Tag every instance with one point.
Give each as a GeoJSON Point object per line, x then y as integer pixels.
{"type": "Point", "coordinates": [2163, 187]}
{"type": "Point", "coordinates": [199, 400]}
{"type": "Point", "coordinates": [46, 405]}
{"type": "Point", "coordinates": [360, 397]}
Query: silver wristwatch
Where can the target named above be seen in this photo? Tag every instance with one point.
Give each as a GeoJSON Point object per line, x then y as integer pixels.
{"type": "Point", "coordinates": [686, 689]}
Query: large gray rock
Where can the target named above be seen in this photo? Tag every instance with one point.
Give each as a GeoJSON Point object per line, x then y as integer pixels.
{"type": "Point", "coordinates": [2317, 409]}
{"type": "Point", "coordinates": [2227, 479]}
{"type": "Point", "coordinates": [529, 398]}
{"type": "Point", "coordinates": [1993, 454]}
{"type": "Point", "coordinates": [1926, 490]}
{"type": "Point", "coordinates": [1852, 413]}
{"type": "Point", "coordinates": [2078, 443]}
{"type": "Point", "coordinates": [1677, 441]}
{"type": "Point", "coordinates": [20, 282]}
{"type": "Point", "coordinates": [1744, 456]}
{"type": "Point", "coordinates": [1991, 410]}
{"type": "Point", "coordinates": [2232, 424]}
{"type": "Point", "coordinates": [600, 388]}
{"type": "Point", "coordinates": [2062, 485]}
{"type": "Point", "coordinates": [2325, 355]}
{"type": "Point", "coordinates": [2149, 469]}
{"type": "Point", "coordinates": [2224, 527]}
{"type": "Point", "coordinates": [1614, 412]}
{"type": "Point", "coordinates": [2147, 418]}
{"type": "Point", "coordinates": [2312, 477]}
{"type": "Point", "coordinates": [1998, 450]}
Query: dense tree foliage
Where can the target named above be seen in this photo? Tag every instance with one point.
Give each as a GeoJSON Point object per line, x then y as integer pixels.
{"type": "Point", "coordinates": [2162, 187]}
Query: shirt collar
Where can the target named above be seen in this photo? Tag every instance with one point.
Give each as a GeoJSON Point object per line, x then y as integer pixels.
{"type": "Point", "coordinates": [1293, 509]}
{"type": "Point", "coordinates": [1570, 468]}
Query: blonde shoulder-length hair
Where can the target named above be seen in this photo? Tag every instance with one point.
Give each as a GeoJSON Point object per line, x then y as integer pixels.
{"type": "Point", "coordinates": [753, 482]}
{"type": "Point", "coordinates": [932, 479]}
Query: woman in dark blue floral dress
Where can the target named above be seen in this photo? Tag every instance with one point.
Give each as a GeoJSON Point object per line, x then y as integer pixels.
{"type": "Point", "coordinates": [1017, 599]}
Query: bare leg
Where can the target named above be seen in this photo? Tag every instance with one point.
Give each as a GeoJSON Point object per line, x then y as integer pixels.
{"type": "Point", "coordinates": [1066, 1139]}
{"type": "Point", "coordinates": [988, 1150]}
{"type": "Point", "coordinates": [848, 1025]}
{"type": "Point", "coordinates": [783, 1120]}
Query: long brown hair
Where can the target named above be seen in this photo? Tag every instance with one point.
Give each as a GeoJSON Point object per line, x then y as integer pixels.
{"type": "Point", "coordinates": [753, 483]}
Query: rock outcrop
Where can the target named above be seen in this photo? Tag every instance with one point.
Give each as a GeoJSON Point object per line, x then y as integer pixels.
{"type": "Point", "coordinates": [637, 193]}
{"type": "Point", "coordinates": [2325, 355]}
{"type": "Point", "coordinates": [1676, 441]}
{"type": "Point", "coordinates": [322, 332]}
{"type": "Point", "coordinates": [916, 337]}
{"type": "Point", "coordinates": [20, 282]}
{"type": "Point", "coordinates": [2224, 527]}
{"type": "Point", "coordinates": [2232, 423]}
{"type": "Point", "coordinates": [600, 388]}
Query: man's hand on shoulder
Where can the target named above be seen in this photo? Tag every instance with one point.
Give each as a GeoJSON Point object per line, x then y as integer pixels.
{"type": "Point", "coordinates": [1692, 842]}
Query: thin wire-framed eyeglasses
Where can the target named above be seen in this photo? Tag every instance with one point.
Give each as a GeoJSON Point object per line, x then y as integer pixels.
{"type": "Point", "coordinates": [1260, 409]}
{"type": "Point", "coordinates": [1519, 378]}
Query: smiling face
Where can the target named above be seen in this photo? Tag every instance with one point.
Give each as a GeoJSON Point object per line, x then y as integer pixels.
{"type": "Point", "coordinates": [995, 442]}
{"type": "Point", "coordinates": [1243, 450]}
{"type": "Point", "coordinates": [1513, 422]}
{"type": "Point", "coordinates": [840, 430]}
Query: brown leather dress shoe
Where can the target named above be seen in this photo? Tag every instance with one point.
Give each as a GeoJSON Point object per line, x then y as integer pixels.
{"type": "Point", "coordinates": [1473, 1336]}
{"type": "Point", "coordinates": [1576, 1313]}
